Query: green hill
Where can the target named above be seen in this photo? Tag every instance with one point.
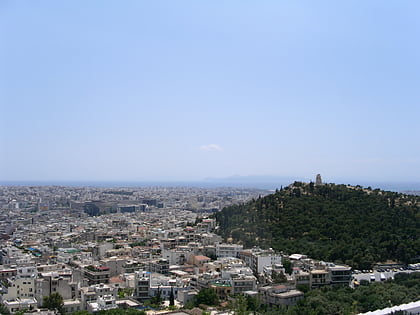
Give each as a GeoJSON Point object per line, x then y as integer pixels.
{"type": "Point", "coordinates": [346, 224]}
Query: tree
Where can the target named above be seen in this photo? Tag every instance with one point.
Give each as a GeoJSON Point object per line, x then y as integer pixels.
{"type": "Point", "coordinates": [279, 277]}
{"type": "Point", "coordinates": [123, 292]}
{"type": "Point", "coordinates": [206, 296]}
{"type": "Point", "coordinates": [333, 223]}
{"type": "Point", "coordinates": [54, 302]}
{"type": "Point", "coordinates": [172, 297]}
{"type": "Point", "coordinates": [287, 264]}
{"type": "Point", "coordinates": [344, 300]}
{"type": "Point", "coordinates": [253, 303]}
{"type": "Point", "coordinates": [156, 301]}
{"type": "Point", "coordinates": [119, 311]}
{"type": "Point", "coordinates": [311, 187]}
{"type": "Point", "coordinates": [4, 310]}
{"type": "Point", "coordinates": [303, 287]}
{"type": "Point", "coordinates": [240, 305]}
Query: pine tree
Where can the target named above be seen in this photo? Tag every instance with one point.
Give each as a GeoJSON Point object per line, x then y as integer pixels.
{"type": "Point", "coordinates": [172, 297]}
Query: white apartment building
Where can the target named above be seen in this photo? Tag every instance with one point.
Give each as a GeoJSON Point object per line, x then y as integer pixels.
{"type": "Point", "coordinates": [257, 259]}
{"type": "Point", "coordinates": [103, 303]}
{"type": "Point", "coordinates": [177, 256]}
{"type": "Point", "coordinates": [94, 293]}
{"type": "Point", "coordinates": [262, 260]}
{"type": "Point", "coordinates": [21, 286]}
{"type": "Point", "coordinates": [228, 250]}
{"type": "Point", "coordinates": [20, 304]}
{"type": "Point", "coordinates": [56, 282]}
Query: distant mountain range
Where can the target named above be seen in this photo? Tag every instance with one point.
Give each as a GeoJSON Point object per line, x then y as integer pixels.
{"type": "Point", "coordinates": [257, 181]}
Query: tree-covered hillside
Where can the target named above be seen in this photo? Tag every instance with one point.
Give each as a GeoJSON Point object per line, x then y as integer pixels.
{"type": "Point", "coordinates": [332, 300]}
{"type": "Point", "coordinates": [331, 222]}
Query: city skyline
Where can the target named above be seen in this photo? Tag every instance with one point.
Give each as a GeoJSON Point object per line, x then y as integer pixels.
{"type": "Point", "coordinates": [165, 91]}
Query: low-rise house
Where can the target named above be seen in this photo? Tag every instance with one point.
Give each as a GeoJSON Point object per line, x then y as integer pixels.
{"type": "Point", "coordinates": [103, 303]}
{"type": "Point", "coordinates": [285, 298]}
{"type": "Point", "coordinates": [200, 260]}
{"type": "Point", "coordinates": [186, 295]}
{"type": "Point", "coordinates": [72, 305]}
{"type": "Point", "coordinates": [18, 304]}
{"type": "Point", "coordinates": [279, 295]}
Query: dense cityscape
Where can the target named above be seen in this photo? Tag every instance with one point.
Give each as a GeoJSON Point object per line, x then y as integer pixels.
{"type": "Point", "coordinates": [209, 157]}
{"type": "Point", "coordinates": [152, 248]}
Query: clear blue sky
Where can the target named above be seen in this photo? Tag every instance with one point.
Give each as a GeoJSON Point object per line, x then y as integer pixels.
{"type": "Point", "coordinates": [183, 90]}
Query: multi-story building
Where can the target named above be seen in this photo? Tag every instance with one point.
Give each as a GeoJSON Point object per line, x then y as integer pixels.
{"type": "Point", "coordinates": [340, 275]}
{"type": "Point", "coordinates": [302, 278]}
{"type": "Point", "coordinates": [202, 281]}
{"type": "Point", "coordinates": [330, 274]}
{"type": "Point", "coordinates": [12, 255]}
{"type": "Point", "coordinates": [159, 266]}
{"type": "Point", "coordinates": [54, 282]}
{"type": "Point", "coordinates": [7, 273]}
{"type": "Point", "coordinates": [94, 293]}
{"type": "Point", "coordinates": [132, 266]}
{"type": "Point", "coordinates": [319, 278]}
{"type": "Point", "coordinates": [141, 284]}
{"type": "Point", "coordinates": [228, 250]}
{"type": "Point", "coordinates": [96, 274]}
{"type": "Point", "coordinates": [178, 255]}
{"type": "Point", "coordinates": [243, 283]}
{"type": "Point", "coordinates": [257, 259]}
{"type": "Point", "coordinates": [115, 264]}
{"type": "Point", "coordinates": [21, 286]}
{"type": "Point", "coordinates": [223, 288]}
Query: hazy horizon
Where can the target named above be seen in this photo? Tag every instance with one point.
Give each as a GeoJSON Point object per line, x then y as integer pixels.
{"type": "Point", "coordinates": [170, 91]}
{"type": "Point", "coordinates": [257, 182]}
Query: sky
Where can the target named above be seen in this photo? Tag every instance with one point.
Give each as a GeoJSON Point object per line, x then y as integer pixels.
{"type": "Point", "coordinates": [187, 90]}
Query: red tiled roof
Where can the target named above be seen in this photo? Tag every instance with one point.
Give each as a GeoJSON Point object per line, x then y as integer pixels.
{"type": "Point", "coordinates": [116, 279]}
{"type": "Point", "coordinates": [201, 257]}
